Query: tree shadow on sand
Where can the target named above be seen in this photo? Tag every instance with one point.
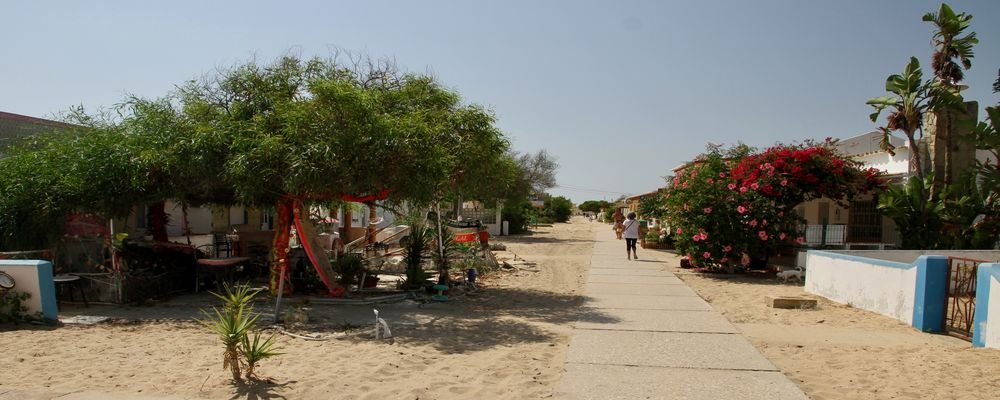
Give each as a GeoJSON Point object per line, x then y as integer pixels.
{"type": "Point", "coordinates": [495, 317]}
{"type": "Point", "coordinates": [258, 389]}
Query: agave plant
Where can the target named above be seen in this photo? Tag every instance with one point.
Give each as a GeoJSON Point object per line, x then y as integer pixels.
{"type": "Point", "coordinates": [416, 250]}
{"type": "Point", "coordinates": [233, 323]}
{"type": "Point", "coordinates": [255, 350]}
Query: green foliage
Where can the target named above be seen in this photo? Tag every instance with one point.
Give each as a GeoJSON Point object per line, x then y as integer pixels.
{"type": "Point", "coordinates": [652, 207]}
{"type": "Point", "coordinates": [594, 206]}
{"type": "Point", "coordinates": [254, 351]}
{"type": "Point", "coordinates": [233, 323]}
{"type": "Point", "coordinates": [417, 249]}
{"type": "Point", "coordinates": [733, 205]}
{"type": "Point", "coordinates": [558, 208]}
{"type": "Point", "coordinates": [517, 215]}
{"type": "Point", "coordinates": [13, 310]}
{"type": "Point", "coordinates": [917, 218]}
{"type": "Point", "coordinates": [350, 267]}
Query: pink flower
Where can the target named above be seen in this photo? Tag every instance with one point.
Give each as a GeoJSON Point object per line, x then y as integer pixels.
{"type": "Point", "coordinates": [781, 236]}
{"type": "Point", "coordinates": [784, 182]}
{"type": "Point", "coordinates": [754, 186]}
{"type": "Point", "coordinates": [685, 185]}
{"type": "Point", "coordinates": [762, 235]}
{"type": "Point", "coordinates": [731, 186]}
{"type": "Point", "coordinates": [680, 231]}
{"type": "Point", "coordinates": [743, 189]}
{"type": "Point", "coordinates": [704, 236]}
{"type": "Point", "coordinates": [763, 223]}
{"type": "Point", "coordinates": [708, 210]}
{"type": "Point", "coordinates": [685, 207]}
{"type": "Point", "coordinates": [727, 248]}
{"type": "Point", "coordinates": [677, 181]}
{"type": "Point", "coordinates": [753, 222]}
{"type": "Point", "coordinates": [741, 209]}
{"type": "Point", "coordinates": [696, 237]}
{"type": "Point", "coordinates": [800, 240]}
{"type": "Point", "coordinates": [707, 255]}
{"type": "Point", "coordinates": [710, 181]}
{"type": "Point", "coordinates": [722, 174]}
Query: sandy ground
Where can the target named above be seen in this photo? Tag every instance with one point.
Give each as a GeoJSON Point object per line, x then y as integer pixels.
{"type": "Point", "coordinates": [840, 352]}
{"type": "Point", "coordinates": [506, 341]}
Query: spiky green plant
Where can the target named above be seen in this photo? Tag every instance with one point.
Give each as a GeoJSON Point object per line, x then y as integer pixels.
{"type": "Point", "coordinates": [233, 323]}
{"type": "Point", "coordinates": [255, 350]}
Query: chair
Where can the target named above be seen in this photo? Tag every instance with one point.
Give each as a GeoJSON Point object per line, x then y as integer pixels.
{"type": "Point", "coordinates": [222, 245]}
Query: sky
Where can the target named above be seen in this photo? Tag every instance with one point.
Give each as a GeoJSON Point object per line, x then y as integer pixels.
{"type": "Point", "coordinates": [620, 92]}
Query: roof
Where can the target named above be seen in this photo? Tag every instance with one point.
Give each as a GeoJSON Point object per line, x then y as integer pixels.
{"type": "Point", "coordinates": [16, 126]}
{"type": "Point", "coordinates": [639, 196]}
{"type": "Point", "coordinates": [866, 143]}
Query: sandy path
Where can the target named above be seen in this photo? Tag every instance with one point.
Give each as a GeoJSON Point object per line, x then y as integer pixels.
{"type": "Point", "coordinates": [839, 352]}
{"type": "Point", "coordinates": [508, 341]}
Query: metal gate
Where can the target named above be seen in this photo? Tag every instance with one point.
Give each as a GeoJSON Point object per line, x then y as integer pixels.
{"type": "Point", "coordinates": [960, 302]}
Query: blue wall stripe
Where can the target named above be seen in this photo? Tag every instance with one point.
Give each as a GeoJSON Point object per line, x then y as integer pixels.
{"type": "Point", "coordinates": [930, 294]}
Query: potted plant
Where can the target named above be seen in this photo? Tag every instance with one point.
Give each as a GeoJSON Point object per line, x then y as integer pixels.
{"type": "Point", "coordinates": [350, 267]}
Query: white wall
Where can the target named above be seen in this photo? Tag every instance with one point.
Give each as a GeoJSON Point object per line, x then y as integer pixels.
{"type": "Point", "coordinates": [991, 327]}
{"type": "Point", "coordinates": [885, 287]}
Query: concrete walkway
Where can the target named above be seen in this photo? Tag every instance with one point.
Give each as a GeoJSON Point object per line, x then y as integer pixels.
{"type": "Point", "coordinates": [647, 335]}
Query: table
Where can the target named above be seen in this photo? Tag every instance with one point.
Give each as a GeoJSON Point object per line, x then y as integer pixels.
{"type": "Point", "coordinates": [69, 281]}
{"type": "Point", "coordinates": [228, 265]}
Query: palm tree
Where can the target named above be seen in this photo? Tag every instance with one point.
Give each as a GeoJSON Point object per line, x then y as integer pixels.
{"type": "Point", "coordinates": [908, 101]}
{"type": "Point", "coordinates": [952, 54]}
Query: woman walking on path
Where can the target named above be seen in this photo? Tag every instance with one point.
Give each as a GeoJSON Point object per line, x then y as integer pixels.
{"type": "Point", "coordinates": [619, 218]}
{"type": "Point", "coordinates": [631, 231]}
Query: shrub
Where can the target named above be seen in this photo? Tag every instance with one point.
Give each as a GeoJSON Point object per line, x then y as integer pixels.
{"type": "Point", "coordinates": [731, 207]}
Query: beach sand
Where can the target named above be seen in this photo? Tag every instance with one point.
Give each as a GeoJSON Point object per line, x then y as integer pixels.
{"type": "Point", "coordinates": [840, 352]}
{"type": "Point", "coordinates": [507, 341]}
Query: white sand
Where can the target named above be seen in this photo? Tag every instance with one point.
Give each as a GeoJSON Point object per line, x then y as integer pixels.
{"type": "Point", "coordinates": [508, 342]}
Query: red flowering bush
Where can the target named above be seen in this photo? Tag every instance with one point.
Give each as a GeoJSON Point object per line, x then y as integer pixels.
{"type": "Point", "coordinates": [730, 207]}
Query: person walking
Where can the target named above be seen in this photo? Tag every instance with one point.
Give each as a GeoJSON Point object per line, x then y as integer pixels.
{"type": "Point", "coordinates": [619, 218]}
{"type": "Point", "coordinates": [630, 229]}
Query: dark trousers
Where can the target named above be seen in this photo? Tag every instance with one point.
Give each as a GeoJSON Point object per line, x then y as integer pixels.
{"type": "Point", "coordinates": [630, 244]}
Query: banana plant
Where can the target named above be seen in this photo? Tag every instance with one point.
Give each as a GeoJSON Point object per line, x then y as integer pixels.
{"type": "Point", "coordinates": [917, 217]}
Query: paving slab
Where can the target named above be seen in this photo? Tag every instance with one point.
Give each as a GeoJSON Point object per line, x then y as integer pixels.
{"type": "Point", "coordinates": [639, 279]}
{"type": "Point", "coordinates": [665, 349]}
{"type": "Point", "coordinates": [639, 289]}
{"type": "Point", "coordinates": [612, 382]}
{"type": "Point", "coordinates": [630, 271]}
{"type": "Point", "coordinates": [660, 321]}
{"type": "Point", "coordinates": [646, 302]}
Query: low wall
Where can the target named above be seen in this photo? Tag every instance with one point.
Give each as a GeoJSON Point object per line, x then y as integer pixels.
{"type": "Point", "coordinates": [987, 330]}
{"type": "Point", "coordinates": [882, 286]}
{"type": "Point", "coordinates": [35, 278]}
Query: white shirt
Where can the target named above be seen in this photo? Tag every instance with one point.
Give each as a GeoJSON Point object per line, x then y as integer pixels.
{"type": "Point", "coordinates": [631, 228]}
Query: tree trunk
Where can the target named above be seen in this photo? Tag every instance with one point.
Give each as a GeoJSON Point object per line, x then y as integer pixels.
{"type": "Point", "coordinates": [915, 164]}
{"type": "Point", "coordinates": [158, 221]}
{"type": "Point", "coordinates": [280, 249]}
{"type": "Point", "coordinates": [346, 236]}
{"type": "Point", "coordinates": [372, 215]}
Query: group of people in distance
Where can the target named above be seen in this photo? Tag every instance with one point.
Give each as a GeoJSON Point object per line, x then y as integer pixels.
{"type": "Point", "coordinates": [627, 227]}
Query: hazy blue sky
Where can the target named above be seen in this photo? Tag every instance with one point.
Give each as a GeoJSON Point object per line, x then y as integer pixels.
{"type": "Point", "coordinates": [620, 91]}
